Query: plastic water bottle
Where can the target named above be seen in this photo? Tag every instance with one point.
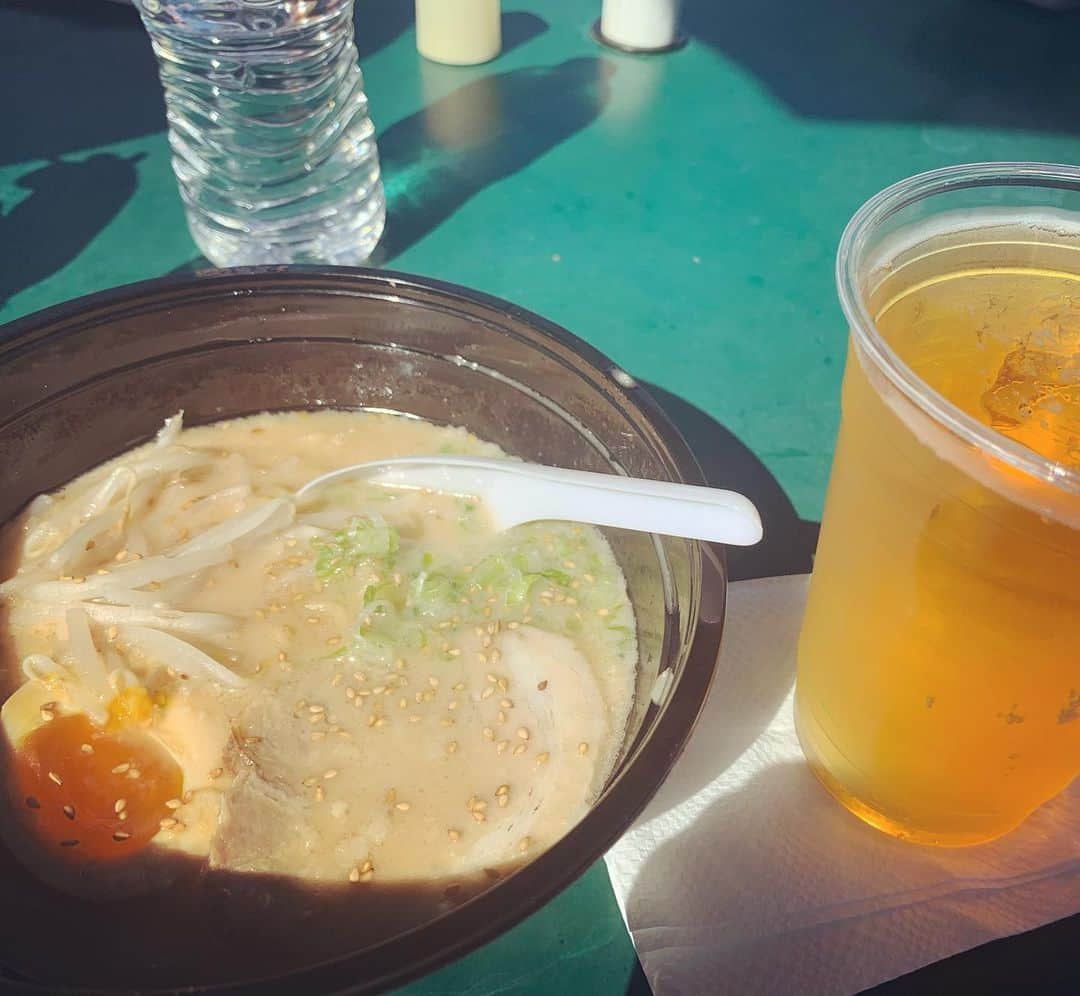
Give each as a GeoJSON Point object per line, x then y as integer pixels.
{"type": "Point", "coordinates": [272, 145]}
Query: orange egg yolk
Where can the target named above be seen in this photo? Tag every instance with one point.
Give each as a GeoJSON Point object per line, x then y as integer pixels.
{"type": "Point", "coordinates": [92, 793]}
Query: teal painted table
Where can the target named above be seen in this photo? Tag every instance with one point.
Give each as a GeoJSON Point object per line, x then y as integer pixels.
{"type": "Point", "coordinates": [678, 212]}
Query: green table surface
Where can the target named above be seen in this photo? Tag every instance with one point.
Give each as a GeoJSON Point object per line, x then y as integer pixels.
{"type": "Point", "coordinates": [679, 212]}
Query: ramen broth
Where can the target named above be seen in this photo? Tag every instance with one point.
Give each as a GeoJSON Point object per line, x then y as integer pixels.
{"type": "Point", "coordinates": [367, 692]}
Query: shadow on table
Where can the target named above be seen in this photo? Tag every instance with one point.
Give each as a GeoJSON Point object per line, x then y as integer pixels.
{"type": "Point", "coordinates": [1039, 962]}
{"type": "Point", "coordinates": [789, 542]}
{"type": "Point", "coordinates": [106, 88]}
{"type": "Point", "coordinates": [993, 63]}
{"type": "Point", "coordinates": [68, 204]}
{"type": "Point", "coordinates": [85, 77]}
{"type": "Point", "coordinates": [438, 158]}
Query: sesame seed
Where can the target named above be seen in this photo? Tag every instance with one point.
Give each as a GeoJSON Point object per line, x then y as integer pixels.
{"type": "Point", "coordinates": [69, 812]}
{"type": "Point", "coordinates": [319, 793]}
{"type": "Point", "coordinates": [308, 782]}
{"type": "Point", "coordinates": [382, 721]}
{"type": "Point", "coordinates": [317, 736]}
{"type": "Point", "coordinates": [456, 652]}
{"type": "Point", "coordinates": [433, 681]}
{"type": "Point", "coordinates": [360, 676]}
{"type": "Point", "coordinates": [519, 749]}
{"type": "Point", "coordinates": [168, 823]}
{"type": "Point", "coordinates": [350, 693]}
{"type": "Point", "coordinates": [507, 704]}
{"type": "Point", "coordinates": [503, 801]}
{"type": "Point", "coordinates": [451, 747]}
{"type": "Point", "coordinates": [403, 703]}
{"type": "Point", "coordinates": [316, 709]}
{"type": "Point", "coordinates": [603, 612]}
{"type": "Point", "coordinates": [542, 686]}
{"type": "Point", "coordinates": [173, 804]}
{"type": "Point", "coordinates": [337, 680]}
{"type": "Point", "coordinates": [332, 773]}
{"type": "Point", "coordinates": [542, 758]}
{"type": "Point", "coordinates": [501, 716]}
{"type": "Point", "coordinates": [500, 747]}
{"type": "Point", "coordinates": [119, 805]}
{"type": "Point", "coordinates": [86, 748]}
{"type": "Point", "coordinates": [372, 720]}
{"type": "Point", "coordinates": [54, 777]}
{"type": "Point", "coordinates": [522, 733]}
{"type": "Point", "coordinates": [504, 685]}
{"type": "Point", "coordinates": [367, 866]}
{"type": "Point", "coordinates": [354, 874]}
{"type": "Point", "coordinates": [489, 733]}
{"type": "Point", "coordinates": [526, 843]}
{"type": "Point", "coordinates": [495, 656]}
{"type": "Point", "coordinates": [478, 816]}
{"type": "Point", "coordinates": [452, 704]}
{"type": "Point", "coordinates": [403, 806]}
{"type": "Point", "coordinates": [583, 748]}
{"type": "Point", "coordinates": [487, 692]}
{"type": "Point", "coordinates": [453, 834]}
{"type": "Point", "coordinates": [32, 803]}
{"type": "Point", "coordinates": [503, 790]}
{"type": "Point", "coordinates": [47, 713]}
{"type": "Point", "coordinates": [378, 690]}
{"type": "Point", "coordinates": [120, 836]}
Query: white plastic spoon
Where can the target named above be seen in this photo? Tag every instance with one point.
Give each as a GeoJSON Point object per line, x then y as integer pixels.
{"type": "Point", "coordinates": [515, 493]}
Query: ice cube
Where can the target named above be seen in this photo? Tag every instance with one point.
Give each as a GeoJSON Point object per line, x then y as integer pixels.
{"type": "Point", "coordinates": [1035, 398]}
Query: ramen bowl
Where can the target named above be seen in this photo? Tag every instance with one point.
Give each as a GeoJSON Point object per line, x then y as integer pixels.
{"type": "Point", "coordinates": [84, 381]}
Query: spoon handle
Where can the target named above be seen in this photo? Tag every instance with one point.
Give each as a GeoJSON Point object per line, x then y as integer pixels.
{"type": "Point", "coordinates": [515, 493]}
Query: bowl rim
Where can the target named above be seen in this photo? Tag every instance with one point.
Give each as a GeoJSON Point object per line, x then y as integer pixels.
{"type": "Point", "coordinates": [474, 923]}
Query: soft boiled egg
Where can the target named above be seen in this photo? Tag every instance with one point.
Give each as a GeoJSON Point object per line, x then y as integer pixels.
{"type": "Point", "coordinates": [99, 791]}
